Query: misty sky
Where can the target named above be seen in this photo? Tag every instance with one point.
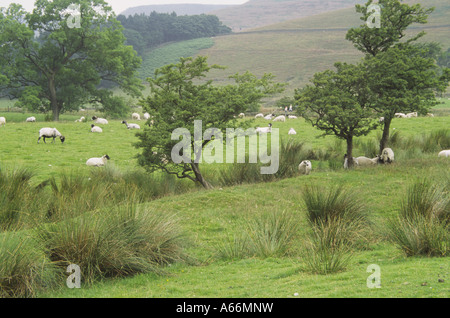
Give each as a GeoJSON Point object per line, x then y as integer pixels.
{"type": "Point", "coordinates": [120, 5]}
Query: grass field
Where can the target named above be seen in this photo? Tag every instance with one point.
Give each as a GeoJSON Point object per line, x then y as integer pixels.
{"type": "Point", "coordinates": [211, 219]}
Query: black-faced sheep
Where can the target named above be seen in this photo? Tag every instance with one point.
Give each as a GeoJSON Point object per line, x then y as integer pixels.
{"type": "Point", "coordinates": [50, 133]}
{"type": "Point", "coordinates": [98, 162]}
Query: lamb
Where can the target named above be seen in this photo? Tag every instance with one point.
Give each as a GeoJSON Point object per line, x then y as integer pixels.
{"type": "Point", "coordinates": [444, 153]}
{"type": "Point", "coordinates": [96, 129]}
{"type": "Point", "coordinates": [98, 162]}
{"type": "Point", "coordinates": [31, 119]}
{"type": "Point", "coordinates": [280, 118]}
{"type": "Point", "coordinates": [146, 116]}
{"type": "Point", "coordinates": [131, 126]}
{"type": "Point", "coordinates": [364, 161]}
{"type": "Point", "coordinates": [264, 129]}
{"type": "Point", "coordinates": [136, 116]}
{"type": "Point", "coordinates": [100, 120]}
{"type": "Point", "coordinates": [305, 167]}
{"type": "Point", "coordinates": [259, 115]}
{"type": "Point", "coordinates": [50, 133]}
{"type": "Point", "coordinates": [2, 121]}
{"type": "Point", "coordinates": [387, 155]}
{"type": "Point", "coordinates": [292, 132]}
{"type": "Point", "coordinates": [355, 161]}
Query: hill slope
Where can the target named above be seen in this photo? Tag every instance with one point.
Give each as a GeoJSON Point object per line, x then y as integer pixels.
{"type": "Point", "coordinates": [180, 9]}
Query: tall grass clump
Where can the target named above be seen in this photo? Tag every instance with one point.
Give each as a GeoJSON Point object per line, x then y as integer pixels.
{"type": "Point", "coordinates": [338, 223]}
{"type": "Point", "coordinates": [24, 267]}
{"type": "Point", "coordinates": [114, 243]}
{"type": "Point", "coordinates": [423, 224]}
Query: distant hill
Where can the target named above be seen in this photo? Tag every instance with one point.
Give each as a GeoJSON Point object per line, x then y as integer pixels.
{"type": "Point", "coordinates": [179, 9]}
{"type": "Point", "coordinates": [259, 13]}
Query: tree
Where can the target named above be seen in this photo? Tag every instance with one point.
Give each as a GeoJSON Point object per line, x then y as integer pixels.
{"type": "Point", "coordinates": [178, 98]}
{"type": "Point", "coordinates": [57, 56]}
{"type": "Point", "coordinates": [338, 103]}
{"type": "Point", "coordinates": [394, 75]}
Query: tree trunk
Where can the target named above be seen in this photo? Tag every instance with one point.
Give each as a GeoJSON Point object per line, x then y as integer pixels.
{"type": "Point", "coordinates": [199, 177]}
{"type": "Point", "coordinates": [385, 138]}
{"type": "Point", "coordinates": [53, 99]}
{"type": "Point", "coordinates": [350, 152]}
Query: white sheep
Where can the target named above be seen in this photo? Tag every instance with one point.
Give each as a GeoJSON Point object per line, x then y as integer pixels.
{"type": "Point", "coordinates": [292, 132]}
{"type": "Point", "coordinates": [96, 129]}
{"type": "Point", "coordinates": [305, 167]}
{"type": "Point", "coordinates": [268, 117]}
{"type": "Point", "coordinates": [241, 115]}
{"type": "Point", "coordinates": [97, 162]}
{"type": "Point", "coordinates": [146, 116]}
{"type": "Point", "coordinates": [82, 119]}
{"type": "Point", "coordinates": [136, 116]}
{"type": "Point", "coordinates": [50, 133]}
{"type": "Point", "coordinates": [409, 115]}
{"type": "Point", "coordinates": [2, 121]}
{"type": "Point", "coordinates": [444, 153]}
{"type": "Point", "coordinates": [355, 161]}
{"type": "Point", "coordinates": [264, 129]}
{"type": "Point", "coordinates": [131, 126]}
{"type": "Point", "coordinates": [259, 115]}
{"type": "Point", "coordinates": [387, 155]}
{"type": "Point", "coordinates": [31, 119]}
{"type": "Point", "coordinates": [280, 118]}
{"type": "Point", "coordinates": [102, 121]}
{"type": "Point", "coordinates": [364, 161]}
{"type": "Point", "coordinates": [292, 117]}
{"type": "Point", "coordinates": [400, 115]}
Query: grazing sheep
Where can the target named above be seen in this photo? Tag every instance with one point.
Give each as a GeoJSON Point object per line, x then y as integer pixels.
{"type": "Point", "coordinates": [280, 118]}
{"type": "Point", "coordinates": [355, 161]}
{"type": "Point", "coordinates": [268, 117]}
{"type": "Point", "coordinates": [259, 115]}
{"type": "Point", "coordinates": [146, 116]}
{"type": "Point", "coordinates": [82, 119]}
{"type": "Point", "coordinates": [387, 155]}
{"type": "Point", "coordinates": [292, 132]}
{"type": "Point", "coordinates": [97, 162]}
{"type": "Point", "coordinates": [2, 121]}
{"type": "Point", "coordinates": [400, 115]}
{"type": "Point", "coordinates": [131, 126]}
{"type": "Point", "coordinates": [264, 129]}
{"type": "Point", "coordinates": [364, 161]}
{"type": "Point", "coordinates": [50, 133]}
{"type": "Point", "coordinates": [31, 119]}
{"type": "Point", "coordinates": [444, 153]}
{"type": "Point", "coordinates": [305, 167]}
{"type": "Point", "coordinates": [96, 129]}
{"type": "Point", "coordinates": [102, 121]}
{"type": "Point", "coordinates": [136, 116]}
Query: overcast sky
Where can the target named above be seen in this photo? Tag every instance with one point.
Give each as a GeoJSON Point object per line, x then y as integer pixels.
{"type": "Point", "coordinates": [120, 5]}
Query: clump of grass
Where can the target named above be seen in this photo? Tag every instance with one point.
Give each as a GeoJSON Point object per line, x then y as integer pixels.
{"type": "Point", "coordinates": [423, 224]}
{"type": "Point", "coordinates": [338, 222]}
{"type": "Point", "coordinates": [24, 267]}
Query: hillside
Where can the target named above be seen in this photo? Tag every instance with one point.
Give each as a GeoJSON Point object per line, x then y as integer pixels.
{"type": "Point", "coordinates": [294, 50]}
{"type": "Point", "coordinates": [179, 9]}
{"type": "Point", "coordinates": [258, 13]}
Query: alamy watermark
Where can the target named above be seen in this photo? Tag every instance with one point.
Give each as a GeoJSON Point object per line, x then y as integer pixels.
{"type": "Point", "coordinates": [374, 280]}
{"type": "Point", "coordinates": [74, 279]}
{"type": "Point", "coordinates": [213, 151]}
{"type": "Point", "coordinates": [374, 20]}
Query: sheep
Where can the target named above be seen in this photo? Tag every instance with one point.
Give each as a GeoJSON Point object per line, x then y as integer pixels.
{"type": "Point", "coordinates": [305, 167]}
{"type": "Point", "coordinates": [400, 115]}
{"type": "Point", "coordinates": [409, 115]}
{"type": "Point", "coordinates": [268, 117]}
{"type": "Point", "coordinates": [241, 115]}
{"type": "Point", "coordinates": [264, 129]}
{"type": "Point", "coordinates": [82, 119]}
{"type": "Point", "coordinates": [381, 119]}
{"type": "Point", "coordinates": [2, 121]}
{"type": "Point", "coordinates": [131, 126]}
{"type": "Point", "coordinates": [387, 155]}
{"type": "Point", "coordinates": [364, 161]}
{"type": "Point", "coordinates": [444, 153]}
{"type": "Point", "coordinates": [280, 118]}
{"type": "Point", "coordinates": [292, 132]}
{"type": "Point", "coordinates": [430, 115]}
{"type": "Point", "coordinates": [50, 133]}
{"type": "Point", "coordinates": [259, 115]}
{"type": "Point", "coordinates": [31, 119]}
{"type": "Point", "coordinates": [292, 117]}
{"type": "Point", "coordinates": [99, 120]}
{"type": "Point", "coordinates": [355, 161]}
{"type": "Point", "coordinates": [136, 116]}
{"type": "Point", "coordinates": [97, 162]}
{"type": "Point", "coordinates": [96, 129]}
{"type": "Point", "coordinates": [146, 116]}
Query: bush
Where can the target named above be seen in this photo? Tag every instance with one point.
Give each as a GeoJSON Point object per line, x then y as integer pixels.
{"type": "Point", "coordinates": [423, 224]}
